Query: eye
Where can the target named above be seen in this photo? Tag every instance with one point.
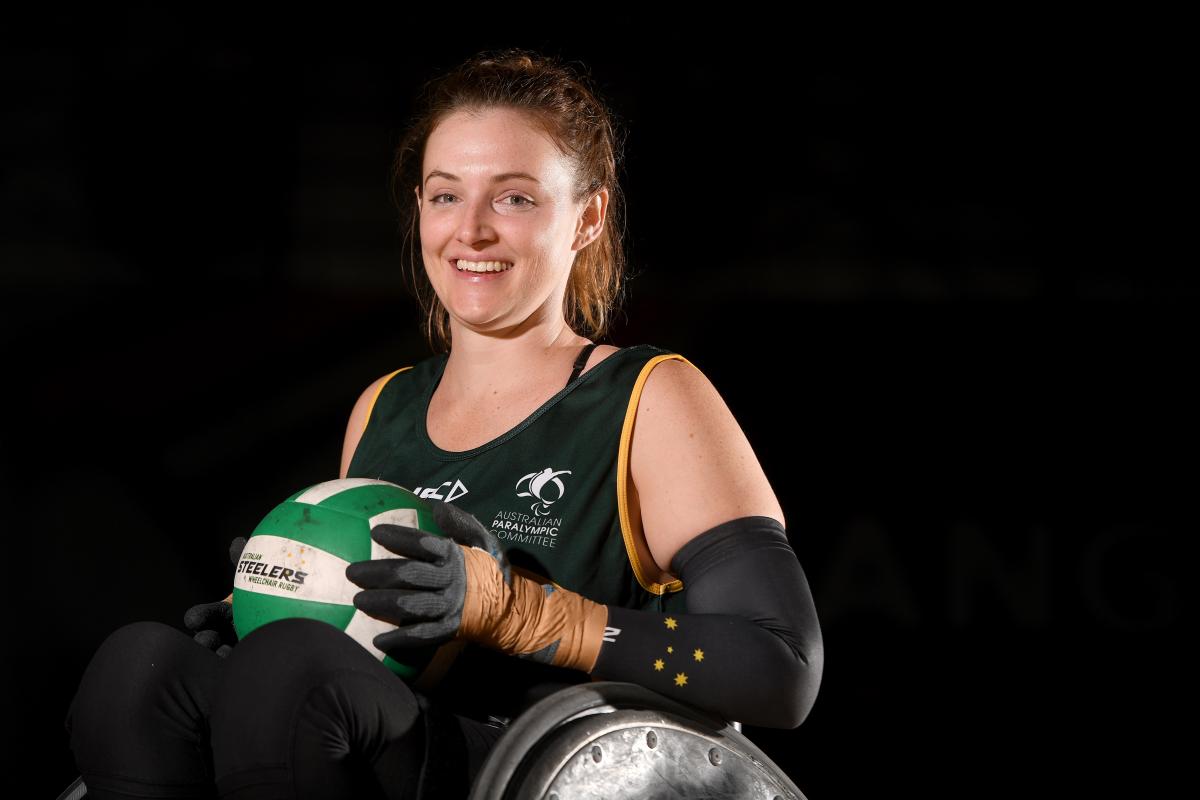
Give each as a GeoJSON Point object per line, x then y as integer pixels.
{"type": "Point", "coordinates": [524, 201]}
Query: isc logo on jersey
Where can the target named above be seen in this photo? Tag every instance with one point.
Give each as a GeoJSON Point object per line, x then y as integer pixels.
{"type": "Point", "coordinates": [455, 491]}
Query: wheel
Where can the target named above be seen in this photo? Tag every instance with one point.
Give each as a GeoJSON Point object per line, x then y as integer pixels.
{"type": "Point", "coordinates": [615, 740]}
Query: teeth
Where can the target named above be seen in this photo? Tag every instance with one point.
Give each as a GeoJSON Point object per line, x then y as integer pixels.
{"type": "Point", "coordinates": [482, 266]}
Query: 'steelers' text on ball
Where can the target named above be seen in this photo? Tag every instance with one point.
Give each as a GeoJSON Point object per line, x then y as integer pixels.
{"type": "Point", "coordinates": [294, 563]}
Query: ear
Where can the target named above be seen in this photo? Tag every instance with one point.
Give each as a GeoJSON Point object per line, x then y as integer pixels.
{"type": "Point", "coordinates": [591, 219]}
{"type": "Point", "coordinates": [417, 192]}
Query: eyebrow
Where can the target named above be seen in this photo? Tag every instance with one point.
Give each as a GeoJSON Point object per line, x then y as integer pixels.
{"type": "Point", "coordinates": [437, 173]}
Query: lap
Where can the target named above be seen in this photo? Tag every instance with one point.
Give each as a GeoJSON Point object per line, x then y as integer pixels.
{"type": "Point", "coordinates": [294, 691]}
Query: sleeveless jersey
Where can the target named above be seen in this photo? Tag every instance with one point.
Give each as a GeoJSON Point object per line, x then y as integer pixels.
{"type": "Point", "coordinates": [553, 489]}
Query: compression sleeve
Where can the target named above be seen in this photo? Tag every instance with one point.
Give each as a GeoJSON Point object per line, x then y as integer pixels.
{"type": "Point", "coordinates": [749, 646]}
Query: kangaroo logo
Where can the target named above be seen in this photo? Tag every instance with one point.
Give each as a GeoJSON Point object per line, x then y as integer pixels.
{"type": "Point", "coordinates": [538, 485]}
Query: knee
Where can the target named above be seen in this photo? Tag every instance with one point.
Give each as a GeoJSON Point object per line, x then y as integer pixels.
{"type": "Point", "coordinates": [139, 640]}
{"type": "Point", "coordinates": [297, 644]}
{"type": "Point", "coordinates": [280, 663]}
{"type": "Point", "coordinates": [302, 680]}
{"type": "Point", "coordinates": [137, 636]}
{"type": "Point", "coordinates": [127, 670]}
{"type": "Point", "coordinates": [285, 659]}
{"type": "Point", "coordinates": [135, 655]}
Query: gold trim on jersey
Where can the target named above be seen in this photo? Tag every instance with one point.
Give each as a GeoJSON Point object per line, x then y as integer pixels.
{"type": "Point", "coordinates": [634, 535]}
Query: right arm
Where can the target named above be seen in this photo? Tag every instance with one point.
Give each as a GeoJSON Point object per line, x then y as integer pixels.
{"type": "Point", "coordinates": [358, 422]}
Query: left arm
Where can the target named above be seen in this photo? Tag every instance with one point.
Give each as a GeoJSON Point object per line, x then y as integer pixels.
{"type": "Point", "coordinates": [691, 465]}
{"type": "Point", "coordinates": [749, 646]}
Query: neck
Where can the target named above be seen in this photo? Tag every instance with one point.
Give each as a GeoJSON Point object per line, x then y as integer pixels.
{"type": "Point", "coordinates": [484, 364]}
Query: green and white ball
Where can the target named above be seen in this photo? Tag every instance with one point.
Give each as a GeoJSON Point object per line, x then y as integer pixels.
{"type": "Point", "coordinates": [294, 563]}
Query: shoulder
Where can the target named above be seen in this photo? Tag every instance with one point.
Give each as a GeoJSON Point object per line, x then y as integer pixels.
{"type": "Point", "coordinates": [598, 354]}
{"type": "Point", "coordinates": [675, 391]}
{"type": "Point", "coordinates": [359, 416]}
{"type": "Point", "coordinates": [690, 461]}
{"type": "Point", "coordinates": [675, 378]}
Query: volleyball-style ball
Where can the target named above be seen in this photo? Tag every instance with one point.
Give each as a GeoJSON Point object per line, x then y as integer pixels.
{"type": "Point", "coordinates": [294, 563]}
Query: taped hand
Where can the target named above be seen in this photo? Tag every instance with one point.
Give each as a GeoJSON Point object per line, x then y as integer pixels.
{"type": "Point", "coordinates": [212, 623]}
{"type": "Point", "coordinates": [463, 587]}
{"type": "Point", "coordinates": [423, 593]}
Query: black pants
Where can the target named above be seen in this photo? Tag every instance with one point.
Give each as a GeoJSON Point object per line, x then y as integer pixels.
{"type": "Point", "coordinates": [298, 710]}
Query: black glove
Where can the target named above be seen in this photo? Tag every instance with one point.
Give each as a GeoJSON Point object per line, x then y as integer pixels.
{"type": "Point", "coordinates": [422, 593]}
{"type": "Point", "coordinates": [212, 623]}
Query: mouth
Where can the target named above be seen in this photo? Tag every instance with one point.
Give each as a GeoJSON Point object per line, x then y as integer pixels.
{"type": "Point", "coordinates": [480, 268]}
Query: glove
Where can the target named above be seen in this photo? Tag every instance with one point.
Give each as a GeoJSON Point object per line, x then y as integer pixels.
{"type": "Point", "coordinates": [424, 592]}
{"type": "Point", "coordinates": [463, 587]}
{"type": "Point", "coordinates": [212, 623]}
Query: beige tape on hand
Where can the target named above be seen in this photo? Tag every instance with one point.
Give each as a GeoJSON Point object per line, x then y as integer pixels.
{"type": "Point", "coordinates": [524, 618]}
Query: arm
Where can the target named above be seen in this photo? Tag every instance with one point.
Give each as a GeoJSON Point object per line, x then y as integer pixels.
{"type": "Point", "coordinates": [749, 645]}
{"type": "Point", "coordinates": [358, 422]}
{"type": "Point", "coordinates": [690, 463]}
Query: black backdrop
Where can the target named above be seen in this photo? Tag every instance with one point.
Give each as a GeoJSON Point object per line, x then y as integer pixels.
{"type": "Point", "coordinates": [921, 264]}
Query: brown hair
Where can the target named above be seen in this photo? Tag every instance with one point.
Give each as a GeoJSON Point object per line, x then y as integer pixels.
{"type": "Point", "coordinates": [561, 101]}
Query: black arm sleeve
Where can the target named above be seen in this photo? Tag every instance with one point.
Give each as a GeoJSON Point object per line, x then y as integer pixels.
{"type": "Point", "coordinates": [749, 647]}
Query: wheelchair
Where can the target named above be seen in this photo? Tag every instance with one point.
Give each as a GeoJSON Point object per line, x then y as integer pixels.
{"type": "Point", "coordinates": [609, 740]}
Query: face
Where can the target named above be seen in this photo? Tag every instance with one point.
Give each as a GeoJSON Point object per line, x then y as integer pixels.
{"type": "Point", "coordinates": [473, 208]}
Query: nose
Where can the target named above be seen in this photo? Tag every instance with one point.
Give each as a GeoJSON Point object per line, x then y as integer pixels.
{"type": "Point", "coordinates": [475, 225]}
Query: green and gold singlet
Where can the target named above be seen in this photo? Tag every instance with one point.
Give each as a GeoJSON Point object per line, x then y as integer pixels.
{"type": "Point", "coordinates": [553, 489]}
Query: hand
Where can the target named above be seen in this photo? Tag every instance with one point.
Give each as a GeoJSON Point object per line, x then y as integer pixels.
{"type": "Point", "coordinates": [423, 593]}
{"type": "Point", "coordinates": [212, 623]}
{"type": "Point", "coordinates": [463, 587]}
{"type": "Point", "coordinates": [464, 528]}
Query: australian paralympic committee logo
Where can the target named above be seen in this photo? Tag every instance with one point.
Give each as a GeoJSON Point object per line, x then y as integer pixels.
{"type": "Point", "coordinates": [545, 486]}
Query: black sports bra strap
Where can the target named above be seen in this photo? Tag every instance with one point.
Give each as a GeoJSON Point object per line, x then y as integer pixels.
{"type": "Point", "coordinates": [581, 361]}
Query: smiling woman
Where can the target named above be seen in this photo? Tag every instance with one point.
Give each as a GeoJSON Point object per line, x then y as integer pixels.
{"type": "Point", "coordinates": [630, 533]}
{"type": "Point", "coordinates": [521, 142]}
{"type": "Point", "coordinates": [498, 248]}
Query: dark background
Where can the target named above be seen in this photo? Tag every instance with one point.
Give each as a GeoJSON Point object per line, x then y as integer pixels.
{"type": "Point", "coordinates": [923, 264]}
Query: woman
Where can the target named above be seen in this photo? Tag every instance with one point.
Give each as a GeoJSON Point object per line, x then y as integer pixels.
{"type": "Point", "coordinates": [628, 530]}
